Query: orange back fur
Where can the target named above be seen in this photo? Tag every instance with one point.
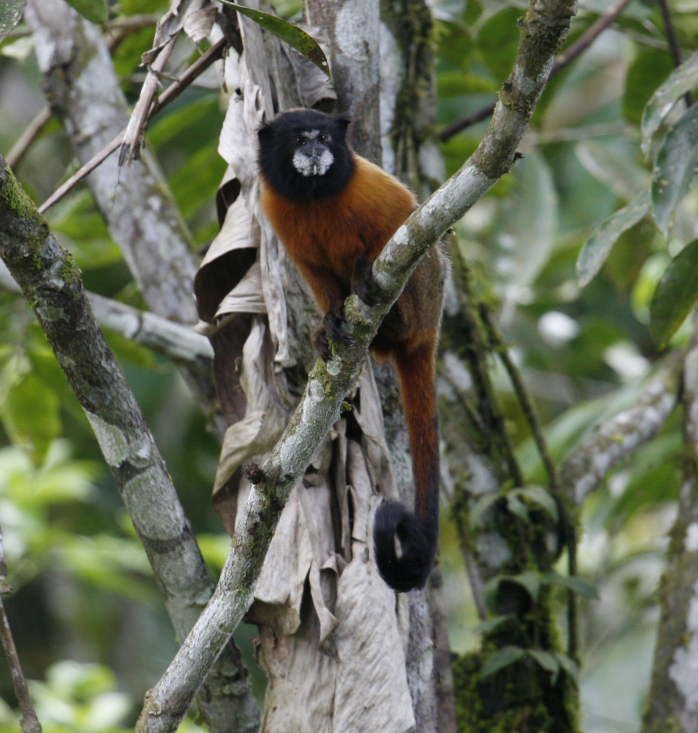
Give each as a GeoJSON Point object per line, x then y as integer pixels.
{"type": "Point", "coordinates": [328, 235]}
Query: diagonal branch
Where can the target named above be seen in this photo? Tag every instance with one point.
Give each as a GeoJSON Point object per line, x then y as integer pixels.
{"type": "Point", "coordinates": [612, 441]}
{"type": "Point", "coordinates": [133, 134]}
{"type": "Point", "coordinates": [169, 95]}
{"type": "Point", "coordinates": [173, 340]}
{"type": "Point", "coordinates": [544, 26]}
{"type": "Point", "coordinates": [52, 284]}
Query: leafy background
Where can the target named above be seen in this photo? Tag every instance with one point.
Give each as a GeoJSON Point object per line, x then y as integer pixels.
{"type": "Point", "coordinates": [585, 205]}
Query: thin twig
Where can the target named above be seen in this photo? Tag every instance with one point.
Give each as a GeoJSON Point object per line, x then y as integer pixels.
{"type": "Point", "coordinates": [521, 392]}
{"type": "Point", "coordinates": [133, 135]}
{"type": "Point", "coordinates": [170, 94]}
{"type": "Point", "coordinates": [674, 46]}
{"type": "Point", "coordinates": [29, 722]}
{"type": "Point", "coordinates": [562, 61]}
{"type": "Point", "coordinates": [584, 41]}
{"type": "Point", "coordinates": [475, 354]}
{"type": "Point", "coordinates": [27, 138]}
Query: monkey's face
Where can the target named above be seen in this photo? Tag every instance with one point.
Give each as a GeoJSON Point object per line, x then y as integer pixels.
{"type": "Point", "coordinates": [313, 155]}
{"type": "Point", "coordinates": [304, 155]}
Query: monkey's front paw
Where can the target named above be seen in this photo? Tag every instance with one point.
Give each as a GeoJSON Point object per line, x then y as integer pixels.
{"type": "Point", "coordinates": [362, 282]}
{"type": "Point", "coordinates": [333, 329]}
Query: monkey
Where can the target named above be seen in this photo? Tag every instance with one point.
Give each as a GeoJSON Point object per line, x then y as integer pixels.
{"type": "Point", "coordinates": [334, 211]}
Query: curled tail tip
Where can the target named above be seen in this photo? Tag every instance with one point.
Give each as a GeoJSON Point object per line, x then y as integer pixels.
{"type": "Point", "coordinates": [411, 568]}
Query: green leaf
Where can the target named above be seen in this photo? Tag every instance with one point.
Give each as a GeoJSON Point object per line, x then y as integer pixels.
{"type": "Point", "coordinates": [568, 665]}
{"type": "Point", "coordinates": [547, 660]}
{"type": "Point", "coordinates": [675, 168]}
{"type": "Point", "coordinates": [675, 295]}
{"type": "Point", "coordinates": [517, 507]}
{"type": "Point", "coordinates": [94, 10]}
{"type": "Point", "coordinates": [649, 69]}
{"type": "Point", "coordinates": [287, 32]}
{"type": "Point", "coordinates": [526, 229]}
{"type": "Point", "coordinates": [598, 247]}
{"type": "Point", "coordinates": [31, 414]}
{"type": "Point", "coordinates": [11, 12]}
{"type": "Point", "coordinates": [481, 506]}
{"type": "Point", "coordinates": [542, 497]}
{"type": "Point", "coordinates": [485, 627]}
{"type": "Point", "coordinates": [500, 659]}
{"type": "Point", "coordinates": [614, 165]}
{"type": "Point", "coordinates": [682, 80]}
{"type": "Point", "coordinates": [498, 41]}
{"type": "Point", "coordinates": [574, 583]}
{"type": "Point", "coordinates": [530, 581]}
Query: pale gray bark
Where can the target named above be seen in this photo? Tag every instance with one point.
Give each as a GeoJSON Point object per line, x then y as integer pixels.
{"type": "Point", "coordinates": [328, 383]}
{"type": "Point", "coordinates": [352, 29]}
{"type": "Point", "coordinates": [620, 436]}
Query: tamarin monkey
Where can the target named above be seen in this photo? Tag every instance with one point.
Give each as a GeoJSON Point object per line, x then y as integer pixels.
{"type": "Point", "coordinates": [335, 211]}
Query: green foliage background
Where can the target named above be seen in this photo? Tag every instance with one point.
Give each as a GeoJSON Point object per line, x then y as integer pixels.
{"type": "Point", "coordinates": [89, 623]}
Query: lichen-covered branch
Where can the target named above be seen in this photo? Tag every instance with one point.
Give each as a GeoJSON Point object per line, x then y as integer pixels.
{"type": "Point", "coordinates": [619, 437]}
{"type": "Point", "coordinates": [544, 26]}
{"type": "Point", "coordinates": [52, 284]}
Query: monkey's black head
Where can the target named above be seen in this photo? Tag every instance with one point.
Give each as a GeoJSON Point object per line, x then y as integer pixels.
{"type": "Point", "coordinates": [304, 155]}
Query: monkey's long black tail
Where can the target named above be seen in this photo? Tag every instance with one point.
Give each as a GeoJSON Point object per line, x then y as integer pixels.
{"type": "Point", "coordinates": [409, 565]}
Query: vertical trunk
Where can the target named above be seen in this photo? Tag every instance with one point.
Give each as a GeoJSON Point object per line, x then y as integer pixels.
{"type": "Point", "coordinates": [673, 699]}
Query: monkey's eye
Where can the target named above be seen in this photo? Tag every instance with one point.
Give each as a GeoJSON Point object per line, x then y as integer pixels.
{"type": "Point", "coordinates": [324, 137]}
{"type": "Point", "coordinates": [300, 139]}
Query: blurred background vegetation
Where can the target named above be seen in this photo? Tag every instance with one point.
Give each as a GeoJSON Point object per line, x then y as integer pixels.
{"type": "Point", "coordinates": [89, 623]}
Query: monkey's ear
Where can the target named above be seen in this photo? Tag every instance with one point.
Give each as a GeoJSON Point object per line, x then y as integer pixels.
{"type": "Point", "coordinates": [264, 132]}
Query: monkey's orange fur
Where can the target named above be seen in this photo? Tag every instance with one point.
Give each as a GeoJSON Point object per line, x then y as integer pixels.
{"type": "Point", "coordinates": [326, 237]}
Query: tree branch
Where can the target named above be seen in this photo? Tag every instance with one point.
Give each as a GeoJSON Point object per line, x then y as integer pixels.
{"type": "Point", "coordinates": [52, 284]}
{"type": "Point", "coordinates": [616, 439]}
{"type": "Point", "coordinates": [173, 340]}
{"type": "Point", "coordinates": [29, 722]}
{"type": "Point", "coordinates": [133, 134]}
{"type": "Point", "coordinates": [169, 95]}
{"type": "Point", "coordinates": [27, 138]}
{"type": "Point", "coordinates": [544, 26]}
{"type": "Point", "coordinates": [563, 60]}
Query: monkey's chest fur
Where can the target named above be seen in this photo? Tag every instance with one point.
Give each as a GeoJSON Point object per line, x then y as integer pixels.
{"type": "Point", "coordinates": [326, 236]}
